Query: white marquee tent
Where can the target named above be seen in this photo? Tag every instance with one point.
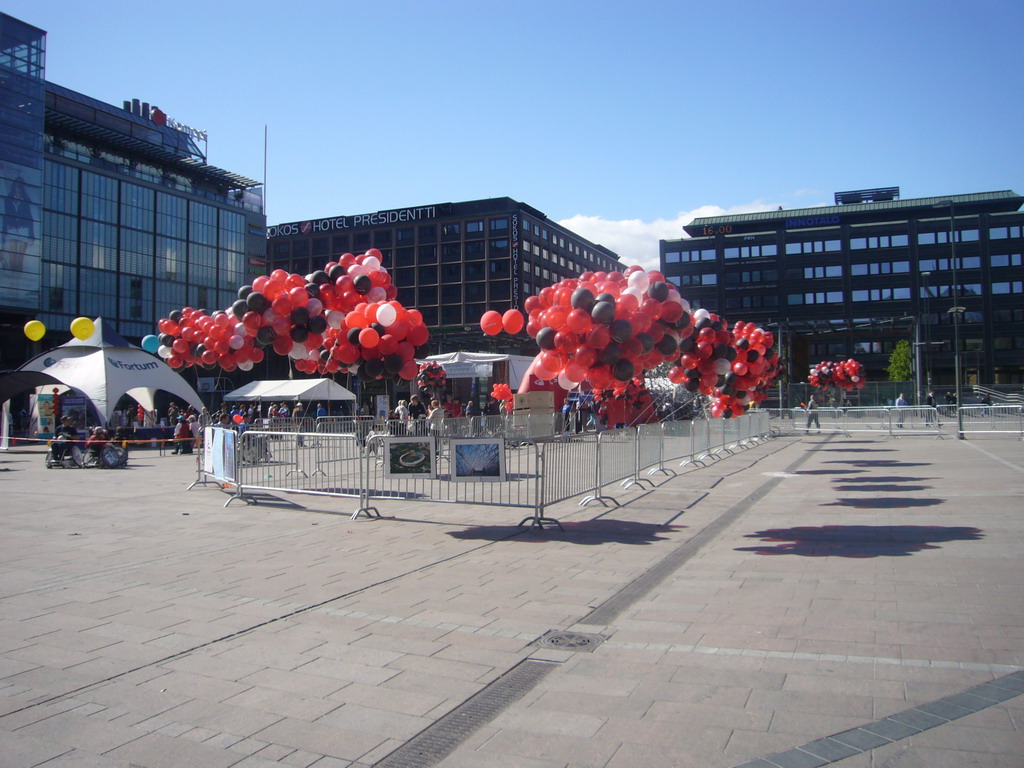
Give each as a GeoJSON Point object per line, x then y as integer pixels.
{"type": "Point", "coordinates": [105, 366]}
{"type": "Point", "coordinates": [289, 390]}
{"type": "Point", "coordinates": [461, 365]}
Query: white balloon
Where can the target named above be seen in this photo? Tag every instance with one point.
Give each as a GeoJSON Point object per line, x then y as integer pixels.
{"type": "Point", "coordinates": [297, 352]}
{"type": "Point", "coordinates": [386, 315]}
{"type": "Point", "coordinates": [335, 318]}
{"type": "Point", "coordinates": [355, 270]}
{"type": "Point", "coordinates": [165, 352]}
{"type": "Point", "coordinates": [236, 342]}
{"type": "Point", "coordinates": [269, 316]}
{"type": "Point", "coordinates": [315, 307]}
{"type": "Point", "coordinates": [240, 329]}
{"type": "Point", "coordinates": [564, 382]}
{"type": "Point", "coordinates": [371, 263]}
{"type": "Point", "coordinates": [245, 365]}
{"type": "Point", "coordinates": [701, 314]}
{"type": "Point", "coordinates": [377, 294]}
{"type": "Point", "coordinates": [722, 366]}
{"type": "Point", "coordinates": [640, 281]}
{"type": "Point", "coordinates": [636, 292]}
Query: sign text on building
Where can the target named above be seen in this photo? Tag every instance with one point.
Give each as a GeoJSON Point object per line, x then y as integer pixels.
{"type": "Point", "coordinates": [396, 216]}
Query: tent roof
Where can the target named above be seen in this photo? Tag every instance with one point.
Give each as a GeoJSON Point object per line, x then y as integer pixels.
{"type": "Point", "coordinates": [104, 367]}
{"type": "Point", "coordinates": [290, 389]}
{"type": "Point", "coordinates": [15, 382]}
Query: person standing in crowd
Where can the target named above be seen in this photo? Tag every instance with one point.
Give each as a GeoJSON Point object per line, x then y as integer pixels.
{"type": "Point", "coordinates": [470, 409]}
{"type": "Point", "coordinates": [182, 436]}
{"type": "Point", "coordinates": [416, 409]}
{"type": "Point", "coordinates": [402, 411]}
{"type": "Point", "coordinates": [321, 412]}
{"type": "Point", "coordinates": [930, 402]}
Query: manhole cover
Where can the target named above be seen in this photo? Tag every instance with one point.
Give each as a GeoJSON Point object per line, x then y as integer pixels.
{"type": "Point", "coordinates": [569, 641]}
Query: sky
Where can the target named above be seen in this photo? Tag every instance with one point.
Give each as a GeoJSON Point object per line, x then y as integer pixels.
{"type": "Point", "coordinates": [622, 121]}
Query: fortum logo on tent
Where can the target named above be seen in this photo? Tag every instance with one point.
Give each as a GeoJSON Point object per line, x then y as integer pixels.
{"type": "Point", "coordinates": [131, 366]}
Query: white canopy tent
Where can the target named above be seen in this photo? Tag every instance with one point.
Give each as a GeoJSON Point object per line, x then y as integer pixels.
{"type": "Point", "coordinates": [290, 390]}
{"type": "Point", "coordinates": [105, 366]}
{"type": "Point", "coordinates": [462, 365]}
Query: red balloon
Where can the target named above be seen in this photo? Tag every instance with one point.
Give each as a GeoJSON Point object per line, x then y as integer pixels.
{"type": "Point", "coordinates": [368, 338]}
{"type": "Point", "coordinates": [490, 322]}
{"type": "Point", "coordinates": [237, 418]}
{"type": "Point", "coordinates": [512, 321]}
{"type": "Point", "coordinates": [579, 321]}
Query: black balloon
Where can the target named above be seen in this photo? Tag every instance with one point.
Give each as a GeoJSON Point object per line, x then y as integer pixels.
{"type": "Point", "coordinates": [621, 330]}
{"type": "Point", "coordinates": [608, 297]}
{"type": "Point", "coordinates": [257, 302]}
{"type": "Point", "coordinates": [244, 291]}
{"type": "Point", "coordinates": [337, 271]}
{"type": "Point", "coordinates": [647, 341]}
{"type": "Point", "coordinates": [582, 299]}
{"type": "Point", "coordinates": [658, 291]}
{"type": "Point", "coordinates": [753, 355]}
{"type": "Point", "coordinates": [353, 336]}
{"type": "Point", "coordinates": [380, 329]}
{"type": "Point", "coordinates": [317, 324]}
{"type": "Point", "coordinates": [299, 316]}
{"type": "Point", "coordinates": [667, 345]}
{"type": "Point", "coordinates": [319, 277]}
{"type": "Point", "coordinates": [610, 355]}
{"type": "Point", "coordinates": [701, 324]}
{"type": "Point", "coordinates": [683, 321]}
{"type": "Point", "coordinates": [692, 385]}
{"type": "Point", "coordinates": [393, 363]}
{"type": "Point", "coordinates": [265, 336]}
{"type": "Point", "coordinates": [175, 316]}
{"type": "Point", "coordinates": [546, 338]}
{"type": "Point", "coordinates": [687, 345]}
{"type": "Point", "coordinates": [239, 308]}
{"type": "Point", "coordinates": [603, 312]}
{"type": "Point", "coordinates": [313, 290]}
{"type": "Point", "coordinates": [299, 334]}
{"type": "Point", "coordinates": [623, 370]}
{"type": "Point", "coordinates": [362, 284]}
{"type": "Point", "coordinates": [373, 368]}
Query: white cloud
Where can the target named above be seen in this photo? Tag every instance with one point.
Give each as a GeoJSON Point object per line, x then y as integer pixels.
{"type": "Point", "coordinates": [636, 240]}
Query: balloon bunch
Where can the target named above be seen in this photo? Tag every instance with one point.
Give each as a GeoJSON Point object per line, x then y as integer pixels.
{"type": "Point", "coordinates": [846, 375]}
{"type": "Point", "coordinates": [502, 392]}
{"type": "Point", "coordinates": [733, 368]}
{"type": "Point", "coordinates": [343, 318]}
{"type": "Point", "coordinates": [493, 322]}
{"type": "Point", "coordinates": [604, 328]}
{"type": "Point", "coordinates": [431, 376]}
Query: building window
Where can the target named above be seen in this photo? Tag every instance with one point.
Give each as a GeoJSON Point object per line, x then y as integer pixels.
{"type": "Point", "coordinates": [499, 225]}
{"type": "Point", "coordinates": [1005, 260]}
{"type": "Point", "coordinates": [428, 254]}
{"type": "Point", "coordinates": [879, 241]}
{"type": "Point", "coordinates": [474, 227]}
{"type": "Point", "coordinates": [813, 246]}
{"type": "Point", "coordinates": [406, 235]}
{"type": "Point", "coordinates": [881, 294]}
{"type": "Point", "coordinates": [1002, 233]}
{"type": "Point", "coordinates": [451, 229]}
{"type": "Point", "coordinates": [941, 237]}
{"type": "Point", "coordinates": [934, 265]}
{"type": "Point", "coordinates": [751, 251]}
{"type": "Point", "coordinates": [880, 268]}
{"type": "Point", "coordinates": [1007, 287]}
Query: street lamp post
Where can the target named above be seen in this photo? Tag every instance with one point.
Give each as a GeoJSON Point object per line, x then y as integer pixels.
{"type": "Point", "coordinates": [956, 312]}
{"type": "Point", "coordinates": [927, 331]}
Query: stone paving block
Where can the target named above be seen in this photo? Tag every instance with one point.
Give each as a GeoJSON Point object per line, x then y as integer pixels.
{"type": "Point", "coordinates": [155, 750]}
{"type": "Point", "coordinates": [321, 738]}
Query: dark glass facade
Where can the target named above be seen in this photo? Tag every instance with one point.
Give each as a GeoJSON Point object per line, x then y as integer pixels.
{"type": "Point", "coordinates": [451, 261]}
{"type": "Point", "coordinates": [126, 219]}
{"type": "Point", "coordinates": [853, 280]}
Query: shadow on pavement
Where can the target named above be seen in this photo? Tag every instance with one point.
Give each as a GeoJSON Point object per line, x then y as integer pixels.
{"type": "Point", "coordinates": [591, 532]}
{"type": "Point", "coordinates": [879, 463]}
{"type": "Point", "coordinates": [857, 540]}
{"type": "Point", "coordinates": [882, 488]}
{"type": "Point", "coordinates": [883, 502]}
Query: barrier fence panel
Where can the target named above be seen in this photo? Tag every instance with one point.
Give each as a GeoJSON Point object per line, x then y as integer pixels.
{"type": "Point", "coordinates": [866, 420]}
{"type": "Point", "coordinates": [700, 443]}
{"type": "Point", "coordinates": [716, 437]}
{"type": "Point", "coordinates": [914, 420]}
{"type": "Point", "coordinates": [993, 419]}
{"type": "Point", "coordinates": [569, 468]}
{"type": "Point", "coordinates": [677, 439]}
{"type": "Point", "coordinates": [649, 450]}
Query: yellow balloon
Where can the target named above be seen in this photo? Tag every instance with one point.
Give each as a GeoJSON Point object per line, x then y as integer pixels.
{"type": "Point", "coordinates": [35, 330]}
{"type": "Point", "coordinates": [82, 328]}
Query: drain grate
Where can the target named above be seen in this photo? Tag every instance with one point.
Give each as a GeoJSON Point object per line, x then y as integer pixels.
{"type": "Point", "coordinates": [431, 745]}
{"type": "Point", "coordinates": [570, 641]}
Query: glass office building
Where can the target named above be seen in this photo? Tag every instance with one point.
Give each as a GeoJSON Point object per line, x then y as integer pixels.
{"type": "Point", "coordinates": [855, 278]}
{"type": "Point", "coordinates": [451, 261]}
{"type": "Point", "coordinates": [113, 212]}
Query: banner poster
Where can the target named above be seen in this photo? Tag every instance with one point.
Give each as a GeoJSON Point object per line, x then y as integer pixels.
{"type": "Point", "coordinates": [74, 406]}
{"type": "Point", "coordinates": [230, 436]}
{"type": "Point", "coordinates": [208, 450]}
{"type": "Point", "coordinates": [218, 453]}
{"type": "Point", "coordinates": [47, 416]}
{"type": "Point", "coordinates": [381, 410]}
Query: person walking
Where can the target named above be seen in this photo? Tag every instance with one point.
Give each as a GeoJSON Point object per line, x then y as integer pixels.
{"type": "Point", "coordinates": [812, 414]}
{"type": "Point", "coordinates": [901, 402]}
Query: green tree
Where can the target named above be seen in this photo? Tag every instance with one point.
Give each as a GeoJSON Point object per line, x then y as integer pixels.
{"type": "Point", "coordinates": [899, 362]}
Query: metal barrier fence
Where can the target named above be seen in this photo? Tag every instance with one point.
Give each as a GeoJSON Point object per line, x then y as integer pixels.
{"type": "Point", "coordinates": [454, 463]}
{"type": "Point", "coordinates": [906, 421]}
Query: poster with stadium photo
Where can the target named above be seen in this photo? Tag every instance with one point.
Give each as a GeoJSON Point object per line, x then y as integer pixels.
{"type": "Point", "coordinates": [409, 458]}
{"type": "Point", "coordinates": [478, 460]}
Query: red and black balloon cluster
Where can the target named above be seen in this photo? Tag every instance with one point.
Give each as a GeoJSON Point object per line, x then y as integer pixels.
{"type": "Point", "coordinates": [846, 374]}
{"type": "Point", "coordinates": [343, 318]}
{"type": "Point", "coordinates": [733, 368]}
{"type": "Point", "coordinates": [606, 328]}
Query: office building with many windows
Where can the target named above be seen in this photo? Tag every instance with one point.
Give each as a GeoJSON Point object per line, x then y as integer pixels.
{"type": "Point", "coordinates": [451, 261]}
{"type": "Point", "coordinates": [855, 278]}
{"type": "Point", "coordinates": [109, 211]}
